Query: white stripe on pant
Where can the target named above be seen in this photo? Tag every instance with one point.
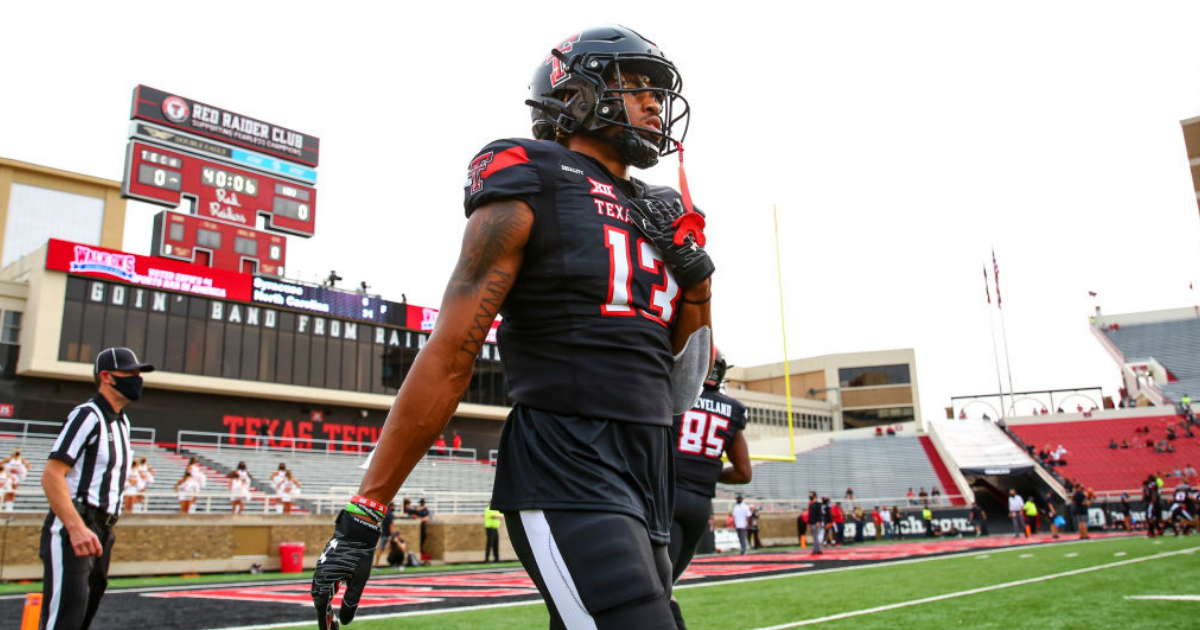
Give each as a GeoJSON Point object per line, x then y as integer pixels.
{"type": "Point", "coordinates": [554, 572]}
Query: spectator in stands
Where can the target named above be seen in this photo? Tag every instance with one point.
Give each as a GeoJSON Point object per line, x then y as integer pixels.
{"type": "Point", "coordinates": [408, 511]}
{"type": "Point", "coordinates": [456, 442]}
{"type": "Point", "coordinates": [741, 522]}
{"type": "Point", "coordinates": [962, 415]}
{"type": "Point", "coordinates": [439, 444]}
{"type": "Point", "coordinates": [1016, 511]}
{"type": "Point", "coordinates": [289, 489]}
{"type": "Point", "coordinates": [849, 494]}
{"type": "Point", "coordinates": [187, 487]}
{"type": "Point", "coordinates": [1124, 443]}
{"type": "Point", "coordinates": [891, 432]}
{"type": "Point", "coordinates": [923, 496]}
{"type": "Point", "coordinates": [877, 520]}
{"type": "Point", "coordinates": [1057, 455]}
{"type": "Point", "coordinates": [935, 494]}
{"type": "Point", "coordinates": [1189, 471]}
{"type": "Point", "coordinates": [1112, 443]}
{"type": "Point", "coordinates": [1171, 433]}
{"type": "Point", "coordinates": [912, 497]}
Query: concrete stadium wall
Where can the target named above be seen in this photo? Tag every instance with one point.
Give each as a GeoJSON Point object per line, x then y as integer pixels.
{"type": "Point", "coordinates": [167, 544]}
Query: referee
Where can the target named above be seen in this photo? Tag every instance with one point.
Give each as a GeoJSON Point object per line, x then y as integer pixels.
{"type": "Point", "coordinates": [84, 480]}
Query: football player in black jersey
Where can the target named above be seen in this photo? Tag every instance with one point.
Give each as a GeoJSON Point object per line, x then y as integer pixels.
{"type": "Point", "coordinates": [712, 428]}
{"type": "Point", "coordinates": [604, 289]}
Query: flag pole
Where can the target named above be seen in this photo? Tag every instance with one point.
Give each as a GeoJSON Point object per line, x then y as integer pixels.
{"type": "Point", "coordinates": [1012, 395]}
{"type": "Point", "coordinates": [995, 352]}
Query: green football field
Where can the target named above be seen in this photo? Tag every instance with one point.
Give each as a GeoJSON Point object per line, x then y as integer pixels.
{"type": "Point", "coordinates": [1084, 584]}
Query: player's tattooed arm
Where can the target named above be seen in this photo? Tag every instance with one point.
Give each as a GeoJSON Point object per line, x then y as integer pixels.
{"type": "Point", "coordinates": [484, 273]}
{"type": "Point", "coordinates": [492, 252]}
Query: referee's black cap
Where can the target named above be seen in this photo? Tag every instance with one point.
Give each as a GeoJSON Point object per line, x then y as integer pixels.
{"type": "Point", "coordinates": [122, 359]}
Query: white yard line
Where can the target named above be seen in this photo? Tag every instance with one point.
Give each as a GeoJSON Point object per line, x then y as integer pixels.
{"type": "Point", "coordinates": [974, 591]}
{"type": "Point", "coordinates": [1169, 598]}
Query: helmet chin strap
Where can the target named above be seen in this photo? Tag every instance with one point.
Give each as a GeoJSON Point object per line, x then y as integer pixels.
{"type": "Point", "coordinates": [634, 148]}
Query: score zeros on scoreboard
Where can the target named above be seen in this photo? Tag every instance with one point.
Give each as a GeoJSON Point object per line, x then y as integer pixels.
{"type": "Point", "coordinates": [222, 192]}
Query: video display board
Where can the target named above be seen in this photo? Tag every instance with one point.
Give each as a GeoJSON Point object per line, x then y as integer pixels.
{"type": "Point", "coordinates": [222, 192]}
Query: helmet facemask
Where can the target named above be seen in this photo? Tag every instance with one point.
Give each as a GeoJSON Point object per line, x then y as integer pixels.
{"type": "Point", "coordinates": [586, 101]}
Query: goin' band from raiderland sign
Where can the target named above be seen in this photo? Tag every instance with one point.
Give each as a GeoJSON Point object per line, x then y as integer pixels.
{"type": "Point", "coordinates": [158, 273]}
{"type": "Point", "coordinates": [223, 125]}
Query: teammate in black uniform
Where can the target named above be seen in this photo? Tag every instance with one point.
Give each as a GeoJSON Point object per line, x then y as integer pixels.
{"type": "Point", "coordinates": [702, 434]}
{"type": "Point", "coordinates": [604, 287]}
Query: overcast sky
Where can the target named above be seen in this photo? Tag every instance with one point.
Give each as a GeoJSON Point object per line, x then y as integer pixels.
{"type": "Point", "coordinates": [900, 143]}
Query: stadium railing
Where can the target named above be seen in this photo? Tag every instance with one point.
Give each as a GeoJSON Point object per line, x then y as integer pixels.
{"type": "Point", "coordinates": [438, 502]}
{"type": "Point", "coordinates": [38, 429]}
{"type": "Point", "coordinates": [724, 505]}
{"type": "Point", "coordinates": [223, 441]}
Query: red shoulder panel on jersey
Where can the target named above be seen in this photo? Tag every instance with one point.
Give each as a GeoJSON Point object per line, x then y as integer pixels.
{"type": "Point", "coordinates": [505, 159]}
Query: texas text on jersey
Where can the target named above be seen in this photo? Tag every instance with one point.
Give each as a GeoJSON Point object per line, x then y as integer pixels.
{"type": "Point", "coordinates": [558, 355]}
{"type": "Point", "coordinates": [702, 434]}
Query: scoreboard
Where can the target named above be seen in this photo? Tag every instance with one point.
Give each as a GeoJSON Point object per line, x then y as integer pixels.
{"type": "Point", "coordinates": [215, 244]}
{"type": "Point", "coordinates": [222, 191]}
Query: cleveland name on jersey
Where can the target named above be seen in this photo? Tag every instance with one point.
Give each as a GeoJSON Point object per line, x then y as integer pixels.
{"type": "Point", "coordinates": [702, 434]}
{"type": "Point", "coordinates": [585, 327]}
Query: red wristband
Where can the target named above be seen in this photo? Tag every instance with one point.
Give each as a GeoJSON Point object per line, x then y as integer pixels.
{"type": "Point", "coordinates": [368, 503]}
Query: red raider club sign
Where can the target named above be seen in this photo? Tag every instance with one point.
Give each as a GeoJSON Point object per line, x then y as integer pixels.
{"type": "Point", "coordinates": [146, 271]}
{"type": "Point", "coordinates": [206, 120]}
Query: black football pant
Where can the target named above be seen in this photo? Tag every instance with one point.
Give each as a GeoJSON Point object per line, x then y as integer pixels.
{"type": "Point", "coordinates": [71, 586]}
{"type": "Point", "coordinates": [690, 523]}
{"type": "Point", "coordinates": [492, 548]}
{"type": "Point", "coordinates": [595, 570]}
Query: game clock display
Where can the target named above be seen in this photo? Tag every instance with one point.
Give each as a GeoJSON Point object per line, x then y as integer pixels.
{"type": "Point", "coordinates": [221, 192]}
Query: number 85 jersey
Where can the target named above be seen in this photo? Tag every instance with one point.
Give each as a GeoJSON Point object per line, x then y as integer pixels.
{"type": "Point", "coordinates": [586, 325]}
{"type": "Point", "coordinates": [701, 437]}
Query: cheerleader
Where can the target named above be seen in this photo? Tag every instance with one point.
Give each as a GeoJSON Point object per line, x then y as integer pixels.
{"type": "Point", "coordinates": [188, 487]}
{"type": "Point", "coordinates": [289, 489]}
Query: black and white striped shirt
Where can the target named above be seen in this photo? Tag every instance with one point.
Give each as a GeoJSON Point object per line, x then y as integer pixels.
{"type": "Point", "coordinates": [95, 442]}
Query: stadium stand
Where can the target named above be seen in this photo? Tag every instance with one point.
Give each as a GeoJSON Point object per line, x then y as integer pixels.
{"type": "Point", "coordinates": [1091, 462]}
{"type": "Point", "coordinates": [878, 468]}
{"type": "Point", "coordinates": [451, 484]}
{"type": "Point", "coordinates": [168, 466]}
{"type": "Point", "coordinates": [1174, 344]}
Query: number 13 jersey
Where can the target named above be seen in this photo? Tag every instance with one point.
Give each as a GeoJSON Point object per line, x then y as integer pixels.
{"type": "Point", "coordinates": [586, 325]}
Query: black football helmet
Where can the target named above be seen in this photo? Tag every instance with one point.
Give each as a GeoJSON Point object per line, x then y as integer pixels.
{"type": "Point", "coordinates": [570, 92]}
{"type": "Point", "coordinates": [720, 366]}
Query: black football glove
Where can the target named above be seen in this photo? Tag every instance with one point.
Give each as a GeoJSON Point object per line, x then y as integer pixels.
{"type": "Point", "coordinates": [678, 234]}
{"type": "Point", "coordinates": [347, 559]}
